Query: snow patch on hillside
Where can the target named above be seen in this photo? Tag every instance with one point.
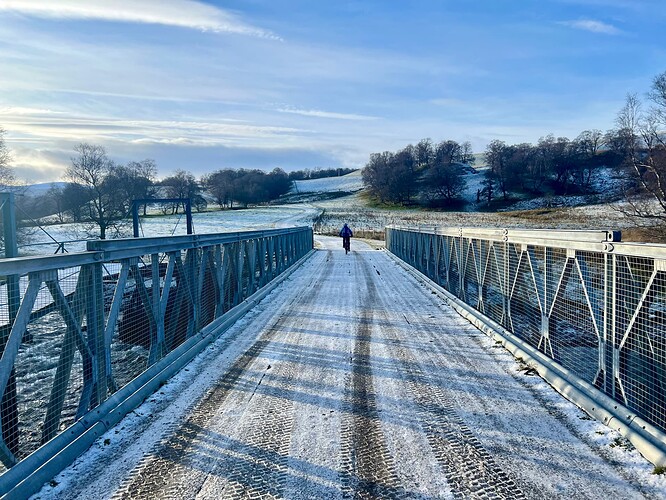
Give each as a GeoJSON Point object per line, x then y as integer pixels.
{"type": "Point", "coordinates": [346, 183]}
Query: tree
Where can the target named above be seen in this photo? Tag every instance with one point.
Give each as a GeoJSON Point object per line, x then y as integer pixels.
{"type": "Point", "coordinates": [587, 146]}
{"type": "Point", "coordinates": [250, 187]}
{"type": "Point", "coordinates": [93, 171]}
{"type": "Point", "coordinates": [563, 159]}
{"type": "Point", "coordinates": [181, 185]}
{"type": "Point", "coordinates": [132, 182]}
{"type": "Point", "coordinates": [467, 155]}
{"type": "Point", "coordinates": [444, 179]}
{"type": "Point", "coordinates": [640, 138]}
{"type": "Point", "coordinates": [390, 177]}
{"type": "Point", "coordinates": [220, 184]}
{"type": "Point", "coordinates": [55, 197]}
{"type": "Point", "coordinates": [519, 160]}
{"type": "Point", "coordinates": [402, 176]}
{"type": "Point", "coordinates": [423, 153]}
{"type": "Point", "coordinates": [7, 177]}
{"type": "Point", "coordinates": [141, 176]}
{"type": "Point", "coordinates": [75, 198]}
{"type": "Point", "coordinates": [377, 176]}
{"type": "Point", "coordinates": [496, 155]}
{"type": "Point", "coordinates": [278, 183]}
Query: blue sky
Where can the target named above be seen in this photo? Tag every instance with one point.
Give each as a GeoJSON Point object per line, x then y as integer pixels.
{"type": "Point", "coordinates": [300, 84]}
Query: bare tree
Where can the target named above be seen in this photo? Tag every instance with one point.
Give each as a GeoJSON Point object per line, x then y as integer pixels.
{"type": "Point", "coordinates": [497, 154]}
{"type": "Point", "coordinates": [181, 185]}
{"type": "Point", "coordinates": [641, 135]}
{"type": "Point", "coordinates": [444, 179]}
{"type": "Point", "coordinates": [143, 175]}
{"type": "Point", "coordinates": [55, 197]}
{"type": "Point", "coordinates": [92, 170]}
{"type": "Point", "coordinates": [221, 185]}
{"type": "Point", "coordinates": [7, 177]}
{"type": "Point", "coordinates": [423, 153]}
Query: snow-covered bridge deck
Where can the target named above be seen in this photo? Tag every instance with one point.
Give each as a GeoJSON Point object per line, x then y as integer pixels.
{"type": "Point", "coordinates": [353, 379]}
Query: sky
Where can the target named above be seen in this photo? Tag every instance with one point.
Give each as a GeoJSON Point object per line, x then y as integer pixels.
{"type": "Point", "coordinates": [205, 85]}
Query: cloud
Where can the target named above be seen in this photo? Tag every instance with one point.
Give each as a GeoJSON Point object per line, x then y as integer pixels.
{"type": "Point", "coordinates": [592, 26]}
{"type": "Point", "coordinates": [35, 125]}
{"type": "Point", "coordinates": [181, 13]}
{"type": "Point", "coordinates": [33, 165]}
{"type": "Point", "coordinates": [326, 114]}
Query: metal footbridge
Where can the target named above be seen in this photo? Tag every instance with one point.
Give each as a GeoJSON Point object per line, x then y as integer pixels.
{"type": "Point", "coordinates": [269, 364]}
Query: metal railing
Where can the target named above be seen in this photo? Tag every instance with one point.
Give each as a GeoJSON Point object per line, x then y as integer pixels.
{"type": "Point", "coordinates": [580, 302]}
{"type": "Point", "coordinates": [86, 325]}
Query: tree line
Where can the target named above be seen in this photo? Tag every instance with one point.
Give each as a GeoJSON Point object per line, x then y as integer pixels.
{"type": "Point", "coordinates": [437, 174]}
{"type": "Point", "coordinates": [426, 172]}
{"type": "Point", "coordinates": [246, 186]}
{"type": "Point", "coordinates": [99, 192]}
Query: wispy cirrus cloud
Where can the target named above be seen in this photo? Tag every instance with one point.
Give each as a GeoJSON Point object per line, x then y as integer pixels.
{"type": "Point", "coordinates": [36, 123]}
{"type": "Point", "coordinates": [326, 114]}
{"type": "Point", "coordinates": [592, 26]}
{"type": "Point", "coordinates": [181, 13]}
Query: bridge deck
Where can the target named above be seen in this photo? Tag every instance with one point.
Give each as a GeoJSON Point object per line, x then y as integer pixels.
{"type": "Point", "coordinates": [353, 379]}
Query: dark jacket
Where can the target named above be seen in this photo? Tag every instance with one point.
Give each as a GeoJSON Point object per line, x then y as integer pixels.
{"type": "Point", "coordinates": [345, 232]}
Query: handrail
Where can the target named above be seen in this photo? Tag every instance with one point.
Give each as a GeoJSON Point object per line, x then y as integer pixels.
{"type": "Point", "coordinates": [102, 250]}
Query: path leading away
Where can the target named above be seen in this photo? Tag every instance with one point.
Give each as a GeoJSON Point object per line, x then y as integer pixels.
{"type": "Point", "coordinates": [353, 379]}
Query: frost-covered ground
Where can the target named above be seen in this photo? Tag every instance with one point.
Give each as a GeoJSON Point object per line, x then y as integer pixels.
{"type": "Point", "coordinates": [354, 211]}
{"type": "Point", "coordinates": [203, 223]}
{"type": "Point", "coordinates": [354, 379]}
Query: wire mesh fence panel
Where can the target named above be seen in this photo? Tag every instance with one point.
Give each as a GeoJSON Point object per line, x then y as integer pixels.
{"type": "Point", "coordinates": [640, 336]}
{"type": "Point", "coordinates": [77, 328]}
{"type": "Point", "coordinates": [207, 288]}
{"type": "Point", "coordinates": [524, 311]}
{"type": "Point", "coordinates": [595, 308]}
{"type": "Point", "coordinates": [492, 292]}
{"type": "Point", "coordinates": [576, 318]}
{"type": "Point", "coordinates": [470, 258]}
{"type": "Point", "coordinates": [454, 268]}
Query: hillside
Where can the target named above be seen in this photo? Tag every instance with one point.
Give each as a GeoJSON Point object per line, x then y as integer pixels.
{"type": "Point", "coordinates": [345, 183]}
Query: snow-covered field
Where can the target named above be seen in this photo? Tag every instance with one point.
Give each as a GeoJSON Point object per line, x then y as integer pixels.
{"type": "Point", "coordinates": [41, 242]}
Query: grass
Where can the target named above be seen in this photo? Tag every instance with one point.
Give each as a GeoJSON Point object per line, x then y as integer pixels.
{"type": "Point", "coordinates": [621, 442]}
{"type": "Point", "coordinates": [372, 202]}
{"type": "Point", "coordinates": [644, 235]}
{"type": "Point", "coordinates": [525, 368]}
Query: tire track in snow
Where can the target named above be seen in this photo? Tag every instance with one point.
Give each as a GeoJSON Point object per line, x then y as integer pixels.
{"type": "Point", "coordinates": [467, 465]}
{"type": "Point", "coordinates": [538, 445]}
{"type": "Point", "coordinates": [177, 470]}
{"type": "Point", "coordinates": [368, 470]}
{"type": "Point", "coordinates": [269, 437]}
{"type": "Point", "coordinates": [486, 398]}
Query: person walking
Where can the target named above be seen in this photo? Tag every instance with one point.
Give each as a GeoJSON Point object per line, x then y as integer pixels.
{"type": "Point", "coordinates": [346, 234]}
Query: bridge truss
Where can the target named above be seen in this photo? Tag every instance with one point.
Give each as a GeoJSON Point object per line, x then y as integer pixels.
{"type": "Point", "coordinates": [587, 309]}
{"type": "Point", "coordinates": [91, 334]}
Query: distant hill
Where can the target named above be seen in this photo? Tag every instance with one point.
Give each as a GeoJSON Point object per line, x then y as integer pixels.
{"type": "Point", "coordinates": [37, 190]}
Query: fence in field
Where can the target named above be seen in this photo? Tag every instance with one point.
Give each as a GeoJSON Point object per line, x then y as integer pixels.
{"type": "Point", "coordinates": [589, 309]}
{"type": "Point", "coordinates": [81, 333]}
